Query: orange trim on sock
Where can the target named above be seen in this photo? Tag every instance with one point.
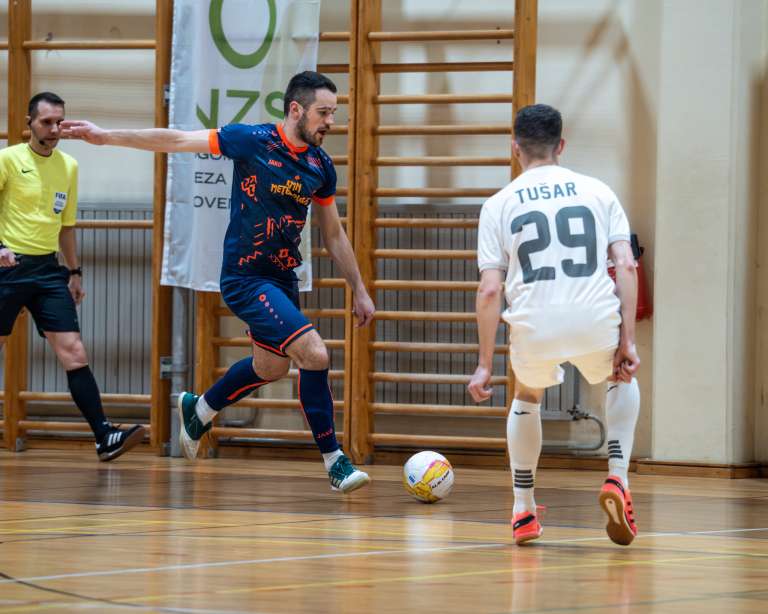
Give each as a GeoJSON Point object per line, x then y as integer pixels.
{"type": "Point", "coordinates": [298, 389]}
{"type": "Point", "coordinates": [244, 388]}
{"type": "Point", "coordinates": [287, 143]}
{"type": "Point", "coordinates": [213, 142]}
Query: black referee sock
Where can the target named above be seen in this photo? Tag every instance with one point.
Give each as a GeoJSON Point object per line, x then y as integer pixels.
{"type": "Point", "coordinates": [85, 393]}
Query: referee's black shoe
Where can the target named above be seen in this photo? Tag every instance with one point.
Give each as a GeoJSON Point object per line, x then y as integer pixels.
{"type": "Point", "coordinates": [117, 442]}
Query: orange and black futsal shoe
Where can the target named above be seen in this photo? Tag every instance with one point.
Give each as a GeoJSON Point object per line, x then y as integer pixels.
{"type": "Point", "coordinates": [616, 502]}
{"type": "Point", "coordinates": [525, 527]}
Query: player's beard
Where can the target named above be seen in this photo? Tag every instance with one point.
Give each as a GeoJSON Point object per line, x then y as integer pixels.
{"type": "Point", "coordinates": [47, 143]}
{"type": "Point", "coordinates": [305, 135]}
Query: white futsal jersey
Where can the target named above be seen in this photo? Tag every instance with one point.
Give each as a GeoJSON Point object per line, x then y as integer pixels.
{"type": "Point", "coordinates": [550, 230]}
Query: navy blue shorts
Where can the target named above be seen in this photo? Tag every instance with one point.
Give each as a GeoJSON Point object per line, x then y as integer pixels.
{"type": "Point", "coordinates": [270, 308]}
{"type": "Point", "coordinates": [40, 284]}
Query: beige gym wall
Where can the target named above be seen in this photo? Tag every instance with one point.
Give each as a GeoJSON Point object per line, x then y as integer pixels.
{"type": "Point", "coordinates": [759, 184]}
{"type": "Point", "coordinates": [713, 62]}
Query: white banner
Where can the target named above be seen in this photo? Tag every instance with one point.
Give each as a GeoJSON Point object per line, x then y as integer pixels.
{"type": "Point", "coordinates": [231, 63]}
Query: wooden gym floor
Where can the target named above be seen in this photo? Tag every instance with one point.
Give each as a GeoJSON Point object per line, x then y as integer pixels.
{"type": "Point", "coordinates": [148, 534]}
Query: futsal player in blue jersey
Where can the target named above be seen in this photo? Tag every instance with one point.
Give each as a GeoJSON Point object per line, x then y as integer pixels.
{"type": "Point", "coordinates": [279, 171]}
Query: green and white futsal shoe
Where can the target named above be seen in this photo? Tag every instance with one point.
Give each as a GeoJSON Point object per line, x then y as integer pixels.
{"type": "Point", "coordinates": [192, 429]}
{"type": "Point", "coordinates": [345, 477]}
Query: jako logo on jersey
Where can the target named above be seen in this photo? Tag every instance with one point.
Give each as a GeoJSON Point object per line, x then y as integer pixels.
{"type": "Point", "coordinates": [276, 163]}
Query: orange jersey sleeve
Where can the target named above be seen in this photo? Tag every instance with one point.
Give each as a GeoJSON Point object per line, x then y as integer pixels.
{"type": "Point", "coordinates": [213, 141]}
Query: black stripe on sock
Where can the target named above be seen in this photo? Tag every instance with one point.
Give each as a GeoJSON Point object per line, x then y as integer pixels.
{"type": "Point", "coordinates": [614, 449]}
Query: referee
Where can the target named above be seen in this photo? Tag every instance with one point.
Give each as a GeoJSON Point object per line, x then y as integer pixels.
{"type": "Point", "coordinates": [38, 204]}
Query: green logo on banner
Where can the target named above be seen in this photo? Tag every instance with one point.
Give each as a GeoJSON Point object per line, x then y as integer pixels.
{"type": "Point", "coordinates": [237, 59]}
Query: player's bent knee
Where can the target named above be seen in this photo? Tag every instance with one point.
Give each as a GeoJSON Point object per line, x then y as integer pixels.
{"type": "Point", "coordinates": [71, 352]}
{"type": "Point", "coordinates": [528, 394]}
{"type": "Point", "coordinates": [316, 359]}
{"type": "Point", "coordinates": [309, 352]}
{"type": "Point", "coordinates": [272, 370]}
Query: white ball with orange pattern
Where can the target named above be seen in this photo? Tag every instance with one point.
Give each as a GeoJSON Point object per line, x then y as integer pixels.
{"type": "Point", "coordinates": [428, 476]}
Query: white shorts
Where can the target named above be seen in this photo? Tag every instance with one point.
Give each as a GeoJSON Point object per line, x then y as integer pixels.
{"type": "Point", "coordinates": [596, 367]}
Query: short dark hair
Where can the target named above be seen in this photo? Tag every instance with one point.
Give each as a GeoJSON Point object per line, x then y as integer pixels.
{"type": "Point", "coordinates": [48, 97]}
{"type": "Point", "coordinates": [538, 130]}
{"type": "Point", "coordinates": [302, 88]}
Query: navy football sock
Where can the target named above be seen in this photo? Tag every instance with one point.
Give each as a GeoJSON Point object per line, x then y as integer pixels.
{"type": "Point", "coordinates": [317, 403]}
{"type": "Point", "coordinates": [85, 394]}
{"type": "Point", "coordinates": [238, 382]}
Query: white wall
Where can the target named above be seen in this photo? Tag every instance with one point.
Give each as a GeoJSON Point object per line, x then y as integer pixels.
{"type": "Point", "coordinates": [760, 186]}
{"type": "Point", "coordinates": [705, 231]}
{"type": "Point", "coordinates": [113, 88]}
{"type": "Point", "coordinates": [597, 63]}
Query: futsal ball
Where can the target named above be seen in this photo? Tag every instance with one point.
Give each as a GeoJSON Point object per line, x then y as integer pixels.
{"type": "Point", "coordinates": [428, 476]}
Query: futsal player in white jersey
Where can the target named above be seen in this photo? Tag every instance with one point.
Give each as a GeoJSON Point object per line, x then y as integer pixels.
{"type": "Point", "coordinates": [544, 240]}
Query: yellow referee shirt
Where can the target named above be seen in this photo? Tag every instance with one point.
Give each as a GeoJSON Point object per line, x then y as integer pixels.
{"type": "Point", "coordinates": [38, 195]}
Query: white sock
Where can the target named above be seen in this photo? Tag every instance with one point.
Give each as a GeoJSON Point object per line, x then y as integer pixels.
{"type": "Point", "coordinates": [524, 444]}
{"type": "Point", "coordinates": [330, 457]}
{"type": "Point", "coordinates": [622, 407]}
{"type": "Point", "coordinates": [204, 411]}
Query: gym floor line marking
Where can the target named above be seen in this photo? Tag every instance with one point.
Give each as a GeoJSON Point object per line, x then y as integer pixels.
{"type": "Point", "coordinates": [671, 534]}
{"type": "Point", "coordinates": [626, 605]}
{"type": "Point", "coordinates": [89, 529]}
{"type": "Point", "coordinates": [90, 605]}
{"type": "Point", "coordinates": [108, 517]}
{"type": "Point", "coordinates": [340, 555]}
{"type": "Point", "coordinates": [286, 559]}
{"type": "Point", "coordinates": [467, 574]}
{"type": "Point", "coordinates": [73, 515]}
{"type": "Point", "coordinates": [443, 576]}
{"type": "Point", "coordinates": [281, 541]}
{"type": "Point", "coordinates": [203, 525]}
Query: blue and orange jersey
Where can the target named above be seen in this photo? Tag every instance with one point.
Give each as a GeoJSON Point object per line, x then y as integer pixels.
{"type": "Point", "coordinates": [273, 185]}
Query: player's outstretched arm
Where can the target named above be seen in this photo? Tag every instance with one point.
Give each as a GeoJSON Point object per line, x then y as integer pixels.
{"type": "Point", "coordinates": [487, 307]}
{"type": "Point", "coordinates": [338, 246]}
{"type": "Point", "coordinates": [150, 139]}
{"type": "Point", "coordinates": [626, 361]}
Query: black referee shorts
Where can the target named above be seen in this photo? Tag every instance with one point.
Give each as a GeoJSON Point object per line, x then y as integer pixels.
{"type": "Point", "coordinates": [38, 283]}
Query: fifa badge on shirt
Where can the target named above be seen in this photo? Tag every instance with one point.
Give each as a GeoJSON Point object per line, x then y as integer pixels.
{"type": "Point", "coordinates": [59, 202]}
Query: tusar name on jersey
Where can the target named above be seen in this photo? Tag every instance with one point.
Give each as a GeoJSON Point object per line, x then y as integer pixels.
{"type": "Point", "coordinates": [545, 191]}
